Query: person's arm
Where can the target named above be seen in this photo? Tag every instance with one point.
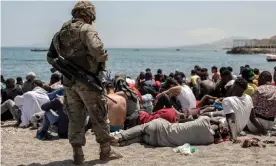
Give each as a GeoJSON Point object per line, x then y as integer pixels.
{"type": "Point", "coordinates": [174, 91]}
{"type": "Point", "coordinates": [90, 38]}
{"type": "Point", "coordinates": [231, 120]}
{"type": "Point", "coordinates": [54, 105]}
{"type": "Point", "coordinates": [52, 52]}
{"type": "Point", "coordinates": [256, 123]}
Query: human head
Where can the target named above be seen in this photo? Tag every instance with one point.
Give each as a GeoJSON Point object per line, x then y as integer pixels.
{"type": "Point", "coordinates": [222, 69]}
{"type": "Point", "coordinates": [239, 86]}
{"type": "Point", "coordinates": [19, 80]}
{"type": "Point", "coordinates": [241, 69]}
{"type": "Point", "coordinates": [265, 78]}
{"type": "Point", "coordinates": [170, 82]}
{"type": "Point", "coordinates": [178, 79]}
{"type": "Point", "coordinates": [109, 85]}
{"type": "Point", "coordinates": [54, 78]}
{"type": "Point", "coordinates": [171, 75]}
{"type": "Point", "coordinates": [256, 71]}
{"type": "Point", "coordinates": [226, 76]}
{"type": "Point", "coordinates": [230, 68]}
{"type": "Point", "coordinates": [196, 67]}
{"type": "Point", "coordinates": [159, 71]}
{"type": "Point", "coordinates": [30, 76]}
{"type": "Point", "coordinates": [204, 76]}
{"type": "Point", "coordinates": [214, 69]}
{"type": "Point", "coordinates": [37, 83]}
{"type": "Point", "coordinates": [193, 72]}
{"type": "Point", "coordinates": [248, 75]}
{"type": "Point", "coordinates": [142, 75]}
{"type": "Point", "coordinates": [198, 71]}
{"type": "Point", "coordinates": [148, 70]}
{"type": "Point", "coordinates": [148, 76]}
{"type": "Point", "coordinates": [247, 66]}
{"type": "Point", "coordinates": [10, 83]}
{"type": "Point", "coordinates": [84, 10]}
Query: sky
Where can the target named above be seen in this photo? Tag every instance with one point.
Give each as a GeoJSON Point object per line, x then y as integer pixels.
{"type": "Point", "coordinates": [140, 24]}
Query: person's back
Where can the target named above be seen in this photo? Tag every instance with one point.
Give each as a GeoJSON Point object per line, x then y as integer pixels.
{"type": "Point", "coordinates": [241, 107]}
{"type": "Point", "coordinates": [186, 98]}
{"type": "Point", "coordinates": [116, 112]}
{"type": "Point", "coordinates": [207, 87]}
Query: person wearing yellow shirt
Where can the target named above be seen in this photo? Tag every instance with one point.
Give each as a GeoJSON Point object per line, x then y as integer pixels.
{"type": "Point", "coordinates": [257, 73]}
{"type": "Point", "coordinates": [249, 76]}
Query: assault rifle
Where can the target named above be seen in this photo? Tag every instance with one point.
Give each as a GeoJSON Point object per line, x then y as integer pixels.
{"type": "Point", "coordinates": [70, 70]}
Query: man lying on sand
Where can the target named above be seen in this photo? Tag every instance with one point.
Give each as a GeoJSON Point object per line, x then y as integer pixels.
{"type": "Point", "coordinates": [160, 132]}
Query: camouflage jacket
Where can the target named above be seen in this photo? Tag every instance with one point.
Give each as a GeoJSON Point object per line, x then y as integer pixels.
{"type": "Point", "coordinates": [79, 42]}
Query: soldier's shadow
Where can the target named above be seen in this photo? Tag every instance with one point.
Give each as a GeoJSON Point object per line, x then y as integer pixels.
{"type": "Point", "coordinates": [67, 163]}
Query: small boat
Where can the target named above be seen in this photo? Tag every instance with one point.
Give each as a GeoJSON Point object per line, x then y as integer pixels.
{"type": "Point", "coordinates": [177, 49]}
{"type": "Point", "coordinates": [136, 50]}
{"type": "Point", "coordinates": [39, 50]}
{"type": "Point", "coordinates": [271, 58]}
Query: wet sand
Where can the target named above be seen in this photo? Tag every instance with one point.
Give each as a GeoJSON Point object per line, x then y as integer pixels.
{"type": "Point", "coordinates": [18, 147]}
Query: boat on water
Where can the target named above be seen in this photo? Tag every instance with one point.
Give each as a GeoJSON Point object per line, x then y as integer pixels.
{"type": "Point", "coordinates": [39, 50]}
{"type": "Point", "coordinates": [177, 49]}
{"type": "Point", "coordinates": [136, 50]}
{"type": "Point", "coordinates": [271, 58]}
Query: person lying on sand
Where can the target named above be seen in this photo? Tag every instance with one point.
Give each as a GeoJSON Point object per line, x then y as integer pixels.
{"type": "Point", "coordinates": [161, 132]}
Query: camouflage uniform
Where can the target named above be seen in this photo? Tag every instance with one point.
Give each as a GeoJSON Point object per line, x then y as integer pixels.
{"type": "Point", "coordinates": [78, 42]}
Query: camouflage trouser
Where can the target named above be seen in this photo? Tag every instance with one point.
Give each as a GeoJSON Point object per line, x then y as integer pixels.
{"type": "Point", "coordinates": [79, 97]}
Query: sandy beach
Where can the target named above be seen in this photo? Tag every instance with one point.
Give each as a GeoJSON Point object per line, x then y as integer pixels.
{"type": "Point", "coordinates": [18, 147]}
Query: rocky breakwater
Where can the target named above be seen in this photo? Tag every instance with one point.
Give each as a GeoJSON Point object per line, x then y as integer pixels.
{"type": "Point", "coordinates": [238, 50]}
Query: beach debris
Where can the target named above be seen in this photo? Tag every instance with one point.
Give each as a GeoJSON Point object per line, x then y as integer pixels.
{"type": "Point", "coordinates": [185, 149]}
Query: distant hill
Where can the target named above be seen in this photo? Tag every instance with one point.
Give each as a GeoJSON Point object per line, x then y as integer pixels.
{"type": "Point", "coordinates": [223, 43]}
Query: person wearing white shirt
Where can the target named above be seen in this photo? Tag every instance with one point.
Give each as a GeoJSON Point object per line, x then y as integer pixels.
{"type": "Point", "coordinates": [238, 110]}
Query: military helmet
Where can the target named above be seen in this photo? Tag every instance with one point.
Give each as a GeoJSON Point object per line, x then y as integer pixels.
{"type": "Point", "coordinates": [84, 9]}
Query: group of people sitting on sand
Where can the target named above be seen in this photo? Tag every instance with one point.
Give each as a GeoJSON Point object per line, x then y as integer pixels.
{"type": "Point", "coordinates": [158, 110]}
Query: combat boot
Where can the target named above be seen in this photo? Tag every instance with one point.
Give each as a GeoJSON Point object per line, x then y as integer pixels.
{"type": "Point", "coordinates": [112, 155]}
{"type": "Point", "coordinates": [78, 155]}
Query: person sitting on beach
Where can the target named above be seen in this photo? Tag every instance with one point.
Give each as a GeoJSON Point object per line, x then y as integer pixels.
{"type": "Point", "coordinates": [7, 104]}
{"type": "Point", "coordinates": [256, 74]}
{"type": "Point", "coordinates": [55, 82]}
{"type": "Point", "coordinates": [19, 82]}
{"type": "Point", "coordinates": [238, 109]}
{"type": "Point", "coordinates": [116, 111]}
{"type": "Point", "coordinates": [160, 132]}
{"type": "Point", "coordinates": [30, 103]}
{"type": "Point", "coordinates": [222, 84]}
{"type": "Point", "coordinates": [234, 77]}
{"type": "Point", "coordinates": [206, 86]}
{"type": "Point", "coordinates": [216, 75]}
{"type": "Point", "coordinates": [27, 86]}
{"type": "Point", "coordinates": [54, 116]}
{"type": "Point", "coordinates": [159, 76]}
{"type": "Point", "coordinates": [183, 94]}
{"type": "Point", "coordinates": [249, 76]}
{"type": "Point", "coordinates": [139, 80]}
{"type": "Point", "coordinates": [148, 86]}
{"type": "Point", "coordinates": [264, 101]}
{"type": "Point", "coordinates": [194, 83]}
{"type": "Point", "coordinates": [122, 89]}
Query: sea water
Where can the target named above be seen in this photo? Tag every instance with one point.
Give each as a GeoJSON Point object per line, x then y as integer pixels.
{"type": "Point", "coordinates": [19, 61]}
